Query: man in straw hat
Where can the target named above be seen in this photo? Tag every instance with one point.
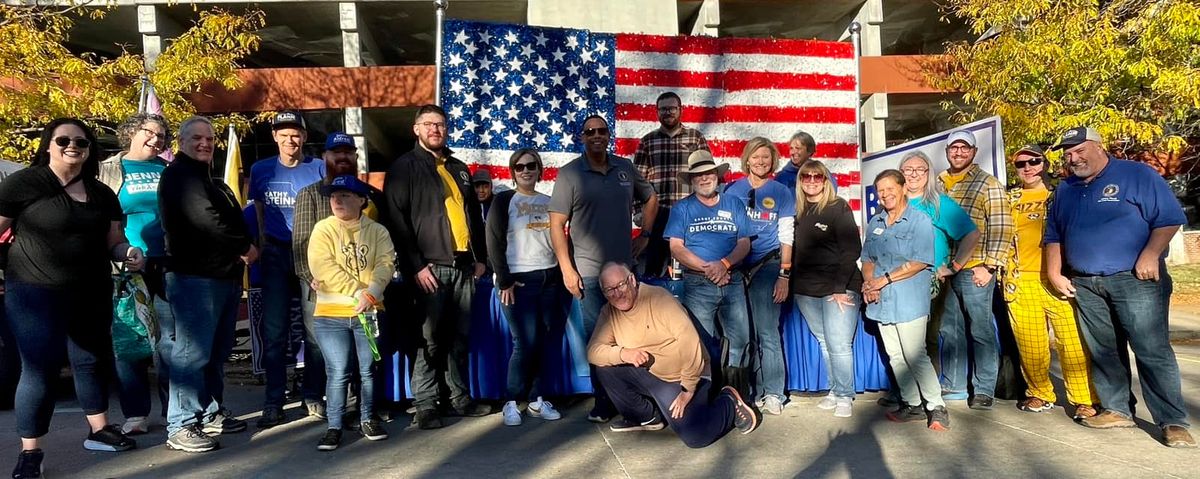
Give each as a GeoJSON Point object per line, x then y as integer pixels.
{"type": "Point", "coordinates": [710, 234]}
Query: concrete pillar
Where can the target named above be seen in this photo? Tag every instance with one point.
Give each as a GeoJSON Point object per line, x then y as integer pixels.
{"type": "Point", "coordinates": [352, 56]}
{"type": "Point", "coordinates": [154, 27]}
{"type": "Point", "coordinates": [874, 110]}
{"type": "Point", "coordinates": [658, 17]}
{"type": "Point", "coordinates": [708, 20]}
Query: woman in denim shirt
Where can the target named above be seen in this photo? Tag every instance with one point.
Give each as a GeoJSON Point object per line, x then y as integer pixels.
{"type": "Point", "coordinates": [896, 260]}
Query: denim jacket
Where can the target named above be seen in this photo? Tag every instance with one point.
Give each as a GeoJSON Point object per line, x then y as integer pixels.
{"type": "Point", "coordinates": [910, 238]}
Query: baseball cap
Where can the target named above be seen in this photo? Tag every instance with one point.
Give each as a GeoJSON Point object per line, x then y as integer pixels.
{"type": "Point", "coordinates": [1030, 149]}
{"type": "Point", "coordinates": [963, 136]}
{"type": "Point", "coordinates": [347, 183]}
{"type": "Point", "coordinates": [288, 118]}
{"type": "Point", "coordinates": [337, 139]}
{"type": "Point", "coordinates": [482, 175]}
{"type": "Point", "coordinates": [1075, 136]}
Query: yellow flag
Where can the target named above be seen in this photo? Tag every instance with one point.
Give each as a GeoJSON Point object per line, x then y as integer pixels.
{"type": "Point", "coordinates": [233, 167]}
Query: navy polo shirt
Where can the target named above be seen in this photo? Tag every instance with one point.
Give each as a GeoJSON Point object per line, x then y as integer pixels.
{"type": "Point", "coordinates": [1104, 225]}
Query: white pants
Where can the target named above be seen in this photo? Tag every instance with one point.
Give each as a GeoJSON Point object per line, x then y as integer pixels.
{"type": "Point", "coordinates": [905, 345]}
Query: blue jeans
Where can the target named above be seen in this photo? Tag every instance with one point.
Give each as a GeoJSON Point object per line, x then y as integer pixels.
{"type": "Point", "coordinates": [343, 340]}
{"type": "Point", "coordinates": [444, 328]}
{"type": "Point", "coordinates": [1122, 305]}
{"type": "Point", "coordinates": [589, 307]}
{"type": "Point", "coordinates": [49, 324]}
{"type": "Point", "coordinates": [134, 376]}
{"type": "Point", "coordinates": [834, 326]}
{"type": "Point", "coordinates": [538, 314]}
{"type": "Point", "coordinates": [705, 300]}
{"type": "Point", "coordinates": [640, 395]}
{"type": "Point", "coordinates": [278, 283]}
{"type": "Point", "coordinates": [764, 313]}
{"type": "Point", "coordinates": [205, 312]}
{"type": "Point", "coordinates": [313, 384]}
{"type": "Point", "coordinates": [966, 306]}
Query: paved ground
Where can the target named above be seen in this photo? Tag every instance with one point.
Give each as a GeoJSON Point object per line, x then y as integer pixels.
{"type": "Point", "coordinates": [804, 442]}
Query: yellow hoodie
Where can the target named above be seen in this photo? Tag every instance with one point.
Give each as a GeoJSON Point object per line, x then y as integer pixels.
{"type": "Point", "coordinates": [348, 257]}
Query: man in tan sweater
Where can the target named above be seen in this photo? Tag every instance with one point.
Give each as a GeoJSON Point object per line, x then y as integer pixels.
{"type": "Point", "coordinates": [650, 360]}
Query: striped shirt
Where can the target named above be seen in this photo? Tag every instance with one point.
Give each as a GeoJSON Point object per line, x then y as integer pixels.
{"type": "Point", "coordinates": [660, 157]}
{"type": "Point", "coordinates": [983, 198]}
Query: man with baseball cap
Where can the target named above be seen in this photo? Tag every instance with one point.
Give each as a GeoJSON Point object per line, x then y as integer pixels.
{"type": "Point", "coordinates": [1106, 236]}
{"type": "Point", "coordinates": [969, 300]}
{"type": "Point", "coordinates": [274, 183]}
{"type": "Point", "coordinates": [482, 181]}
{"type": "Point", "coordinates": [709, 234]}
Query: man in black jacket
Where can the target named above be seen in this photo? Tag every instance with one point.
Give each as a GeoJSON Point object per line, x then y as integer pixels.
{"type": "Point", "coordinates": [207, 251]}
{"type": "Point", "coordinates": [437, 224]}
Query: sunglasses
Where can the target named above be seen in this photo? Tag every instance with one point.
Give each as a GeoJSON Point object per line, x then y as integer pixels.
{"type": "Point", "coordinates": [1031, 162]}
{"type": "Point", "coordinates": [812, 177]}
{"type": "Point", "coordinates": [596, 131]}
{"type": "Point", "coordinates": [63, 141]}
{"type": "Point", "coordinates": [531, 166]}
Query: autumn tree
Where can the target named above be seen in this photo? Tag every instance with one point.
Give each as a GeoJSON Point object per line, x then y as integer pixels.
{"type": "Point", "coordinates": [1129, 68]}
{"type": "Point", "coordinates": [41, 79]}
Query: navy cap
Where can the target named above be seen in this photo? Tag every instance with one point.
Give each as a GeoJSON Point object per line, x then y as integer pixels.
{"type": "Point", "coordinates": [288, 118]}
{"type": "Point", "coordinates": [1031, 149]}
{"type": "Point", "coordinates": [347, 183]}
{"type": "Point", "coordinates": [482, 175]}
{"type": "Point", "coordinates": [1075, 136]}
{"type": "Point", "coordinates": [337, 139]}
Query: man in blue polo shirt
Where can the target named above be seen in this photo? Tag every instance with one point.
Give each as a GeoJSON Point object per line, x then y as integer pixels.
{"type": "Point", "coordinates": [709, 234]}
{"type": "Point", "coordinates": [1111, 221]}
{"type": "Point", "coordinates": [274, 183]}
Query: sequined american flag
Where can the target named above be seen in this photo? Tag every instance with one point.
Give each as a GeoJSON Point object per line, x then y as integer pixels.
{"type": "Point", "coordinates": [507, 87]}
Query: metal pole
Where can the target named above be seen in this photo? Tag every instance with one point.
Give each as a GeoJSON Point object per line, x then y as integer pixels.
{"type": "Point", "coordinates": [142, 95]}
{"type": "Point", "coordinates": [437, 82]}
{"type": "Point", "coordinates": [856, 40]}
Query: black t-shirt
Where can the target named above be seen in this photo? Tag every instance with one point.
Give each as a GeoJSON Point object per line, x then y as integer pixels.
{"type": "Point", "coordinates": [57, 241]}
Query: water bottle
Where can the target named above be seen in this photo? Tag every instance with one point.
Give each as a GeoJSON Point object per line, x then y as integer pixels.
{"type": "Point", "coordinates": [676, 270]}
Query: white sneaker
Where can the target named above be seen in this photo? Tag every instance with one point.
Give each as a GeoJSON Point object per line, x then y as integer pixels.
{"type": "Point", "coordinates": [771, 404]}
{"type": "Point", "coordinates": [844, 407]}
{"type": "Point", "coordinates": [136, 425]}
{"type": "Point", "coordinates": [828, 402]}
{"type": "Point", "coordinates": [512, 415]}
{"type": "Point", "coordinates": [543, 409]}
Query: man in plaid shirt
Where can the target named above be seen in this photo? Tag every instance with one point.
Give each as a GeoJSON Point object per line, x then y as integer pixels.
{"type": "Point", "coordinates": [660, 156]}
{"type": "Point", "coordinates": [969, 301]}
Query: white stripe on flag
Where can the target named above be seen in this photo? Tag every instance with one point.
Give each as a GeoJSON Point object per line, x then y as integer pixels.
{"type": "Point", "coordinates": [646, 95]}
{"type": "Point", "coordinates": [735, 62]}
{"type": "Point", "coordinates": [823, 132]}
{"type": "Point", "coordinates": [474, 156]}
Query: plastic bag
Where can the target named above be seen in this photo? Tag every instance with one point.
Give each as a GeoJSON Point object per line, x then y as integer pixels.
{"type": "Point", "coordinates": [134, 319]}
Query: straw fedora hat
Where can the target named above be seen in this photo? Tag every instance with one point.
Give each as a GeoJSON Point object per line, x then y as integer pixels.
{"type": "Point", "coordinates": [701, 161]}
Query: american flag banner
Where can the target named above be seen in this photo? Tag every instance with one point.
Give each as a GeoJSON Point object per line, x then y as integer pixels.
{"type": "Point", "coordinates": [507, 87]}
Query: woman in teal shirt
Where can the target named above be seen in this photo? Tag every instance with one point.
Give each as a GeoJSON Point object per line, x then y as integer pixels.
{"type": "Point", "coordinates": [133, 175]}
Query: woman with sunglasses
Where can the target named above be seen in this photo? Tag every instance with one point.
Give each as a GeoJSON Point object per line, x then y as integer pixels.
{"type": "Point", "coordinates": [133, 175]}
{"type": "Point", "coordinates": [1031, 303]}
{"type": "Point", "coordinates": [67, 227]}
{"type": "Point", "coordinates": [772, 210]}
{"type": "Point", "coordinates": [528, 282]}
{"type": "Point", "coordinates": [827, 281]}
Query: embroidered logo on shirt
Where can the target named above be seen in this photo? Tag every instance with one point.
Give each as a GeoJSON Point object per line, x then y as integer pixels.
{"type": "Point", "coordinates": [1110, 193]}
{"type": "Point", "coordinates": [823, 226]}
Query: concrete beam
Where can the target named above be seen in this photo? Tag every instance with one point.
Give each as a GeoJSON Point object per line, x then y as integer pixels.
{"type": "Point", "coordinates": [708, 19]}
{"type": "Point", "coordinates": [657, 17]}
{"type": "Point", "coordinates": [155, 27]}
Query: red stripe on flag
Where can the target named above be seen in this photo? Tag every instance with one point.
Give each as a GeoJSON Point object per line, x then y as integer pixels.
{"type": "Point", "coordinates": [734, 80]}
{"type": "Point", "coordinates": [503, 173]}
{"type": "Point", "coordinates": [733, 148]}
{"type": "Point", "coordinates": [742, 114]}
{"type": "Point", "coordinates": [855, 204]}
{"type": "Point", "coordinates": [715, 46]}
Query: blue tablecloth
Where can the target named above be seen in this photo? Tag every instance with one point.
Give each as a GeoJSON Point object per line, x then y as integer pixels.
{"type": "Point", "coordinates": [567, 373]}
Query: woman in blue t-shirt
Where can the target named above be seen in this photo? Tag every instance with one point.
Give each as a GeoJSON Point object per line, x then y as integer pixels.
{"type": "Point", "coordinates": [133, 175]}
{"type": "Point", "coordinates": [772, 209]}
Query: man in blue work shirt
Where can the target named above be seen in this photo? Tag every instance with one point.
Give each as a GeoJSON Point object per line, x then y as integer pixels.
{"type": "Point", "coordinates": [274, 183]}
{"type": "Point", "coordinates": [1111, 221]}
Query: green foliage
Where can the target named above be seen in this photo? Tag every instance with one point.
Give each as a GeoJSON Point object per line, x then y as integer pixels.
{"type": "Point", "coordinates": [1128, 68]}
{"type": "Point", "coordinates": [41, 79]}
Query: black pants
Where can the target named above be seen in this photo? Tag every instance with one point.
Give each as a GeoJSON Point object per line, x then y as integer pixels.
{"type": "Point", "coordinates": [640, 395]}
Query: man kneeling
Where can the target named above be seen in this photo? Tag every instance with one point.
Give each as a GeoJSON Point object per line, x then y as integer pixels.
{"type": "Point", "coordinates": [650, 360]}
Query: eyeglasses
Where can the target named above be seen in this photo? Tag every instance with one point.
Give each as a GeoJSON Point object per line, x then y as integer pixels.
{"type": "Point", "coordinates": [429, 125]}
{"type": "Point", "coordinates": [63, 141]}
{"type": "Point", "coordinates": [960, 148]}
{"type": "Point", "coordinates": [531, 166]}
{"type": "Point", "coordinates": [914, 171]}
{"type": "Point", "coordinates": [596, 131]}
{"type": "Point", "coordinates": [667, 109]}
{"type": "Point", "coordinates": [1030, 162]}
{"type": "Point", "coordinates": [812, 178]}
{"type": "Point", "coordinates": [609, 291]}
{"type": "Point", "coordinates": [161, 136]}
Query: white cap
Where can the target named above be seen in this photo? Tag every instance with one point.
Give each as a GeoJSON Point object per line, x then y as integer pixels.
{"type": "Point", "coordinates": [961, 135]}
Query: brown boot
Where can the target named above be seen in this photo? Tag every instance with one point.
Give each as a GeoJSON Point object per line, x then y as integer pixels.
{"type": "Point", "coordinates": [1107, 420]}
{"type": "Point", "coordinates": [1178, 436]}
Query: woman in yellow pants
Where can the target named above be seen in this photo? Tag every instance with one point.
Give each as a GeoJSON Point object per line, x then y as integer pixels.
{"type": "Point", "coordinates": [1031, 304]}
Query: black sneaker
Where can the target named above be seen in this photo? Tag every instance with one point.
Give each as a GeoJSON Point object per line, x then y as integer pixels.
{"type": "Point", "coordinates": [629, 425]}
{"type": "Point", "coordinates": [428, 419]}
{"type": "Point", "coordinates": [471, 409]}
{"type": "Point", "coordinates": [271, 417]}
{"type": "Point", "coordinates": [331, 441]}
{"type": "Point", "coordinates": [109, 439]}
{"type": "Point", "coordinates": [939, 419]}
{"type": "Point", "coordinates": [192, 439]}
{"type": "Point", "coordinates": [29, 464]}
{"type": "Point", "coordinates": [316, 408]}
{"type": "Point", "coordinates": [745, 419]}
{"type": "Point", "coordinates": [223, 422]}
{"type": "Point", "coordinates": [982, 402]}
{"type": "Point", "coordinates": [600, 413]}
{"type": "Point", "coordinates": [888, 400]}
{"type": "Point", "coordinates": [906, 413]}
{"type": "Point", "coordinates": [373, 430]}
